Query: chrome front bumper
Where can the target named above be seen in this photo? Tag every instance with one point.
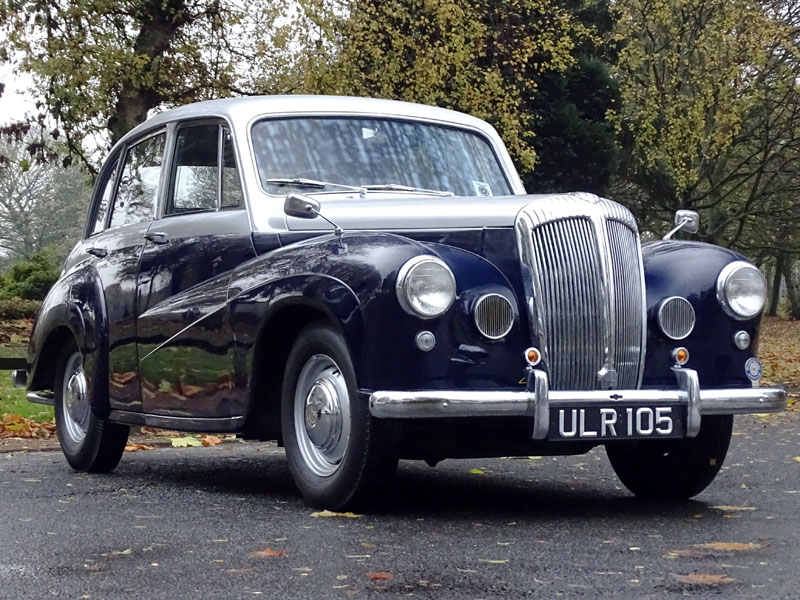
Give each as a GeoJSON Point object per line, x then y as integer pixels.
{"type": "Point", "coordinates": [537, 400]}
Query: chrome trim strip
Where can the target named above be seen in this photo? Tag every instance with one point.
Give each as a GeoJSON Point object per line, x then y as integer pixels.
{"type": "Point", "coordinates": [606, 285]}
{"type": "Point", "coordinates": [45, 398]}
{"type": "Point", "coordinates": [213, 311]}
{"type": "Point", "coordinates": [219, 424]}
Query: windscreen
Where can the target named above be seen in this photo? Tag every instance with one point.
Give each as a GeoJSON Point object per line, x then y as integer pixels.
{"type": "Point", "coordinates": [361, 151]}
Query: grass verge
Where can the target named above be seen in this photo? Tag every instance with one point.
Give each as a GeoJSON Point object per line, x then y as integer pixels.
{"type": "Point", "coordinates": [13, 401]}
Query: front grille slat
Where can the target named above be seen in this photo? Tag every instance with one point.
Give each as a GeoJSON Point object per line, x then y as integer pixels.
{"type": "Point", "coordinates": [586, 325]}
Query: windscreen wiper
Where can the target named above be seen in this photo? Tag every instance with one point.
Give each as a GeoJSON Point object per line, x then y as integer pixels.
{"type": "Point", "coordinates": [396, 187]}
{"type": "Point", "coordinates": [312, 183]}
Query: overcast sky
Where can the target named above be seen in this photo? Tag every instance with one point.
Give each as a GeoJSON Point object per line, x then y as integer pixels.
{"type": "Point", "coordinates": [14, 102]}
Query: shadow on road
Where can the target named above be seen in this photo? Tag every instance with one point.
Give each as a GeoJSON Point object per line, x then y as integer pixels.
{"type": "Point", "coordinates": [418, 491]}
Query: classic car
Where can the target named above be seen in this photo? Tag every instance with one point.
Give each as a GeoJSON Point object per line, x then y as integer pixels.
{"type": "Point", "coordinates": [367, 280]}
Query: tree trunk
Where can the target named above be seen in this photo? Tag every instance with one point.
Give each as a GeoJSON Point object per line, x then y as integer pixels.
{"type": "Point", "coordinates": [160, 23]}
{"type": "Point", "coordinates": [775, 291]}
{"type": "Point", "coordinates": [794, 302]}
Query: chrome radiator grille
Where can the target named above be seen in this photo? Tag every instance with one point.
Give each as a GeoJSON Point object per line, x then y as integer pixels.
{"type": "Point", "coordinates": [582, 268]}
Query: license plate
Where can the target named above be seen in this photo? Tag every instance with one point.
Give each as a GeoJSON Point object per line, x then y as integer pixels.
{"type": "Point", "coordinates": [616, 422]}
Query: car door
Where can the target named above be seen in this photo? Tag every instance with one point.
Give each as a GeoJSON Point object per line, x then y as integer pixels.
{"type": "Point", "coordinates": [130, 188]}
{"type": "Point", "coordinates": [184, 343]}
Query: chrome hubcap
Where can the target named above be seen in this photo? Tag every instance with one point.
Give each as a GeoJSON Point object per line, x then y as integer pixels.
{"type": "Point", "coordinates": [322, 415]}
{"type": "Point", "coordinates": [75, 405]}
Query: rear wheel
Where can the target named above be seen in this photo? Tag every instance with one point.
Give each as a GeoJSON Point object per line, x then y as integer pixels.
{"type": "Point", "coordinates": [88, 442]}
{"type": "Point", "coordinates": [338, 454]}
{"type": "Point", "coordinates": [673, 469]}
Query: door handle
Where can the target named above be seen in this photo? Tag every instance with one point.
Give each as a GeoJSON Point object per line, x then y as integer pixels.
{"type": "Point", "coordinates": [157, 237]}
{"type": "Point", "coordinates": [96, 251]}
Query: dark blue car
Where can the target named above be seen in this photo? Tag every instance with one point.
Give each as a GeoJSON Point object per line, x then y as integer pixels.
{"type": "Point", "coordinates": [366, 280]}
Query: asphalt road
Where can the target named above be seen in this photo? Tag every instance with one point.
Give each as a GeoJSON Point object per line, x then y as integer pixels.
{"type": "Point", "coordinates": [185, 523]}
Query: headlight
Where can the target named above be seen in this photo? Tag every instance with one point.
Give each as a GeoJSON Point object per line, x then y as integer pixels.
{"type": "Point", "coordinates": [741, 290]}
{"type": "Point", "coordinates": [426, 287]}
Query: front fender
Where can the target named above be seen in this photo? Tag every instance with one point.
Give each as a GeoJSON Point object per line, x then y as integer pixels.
{"type": "Point", "coordinates": [690, 269]}
{"type": "Point", "coordinates": [352, 283]}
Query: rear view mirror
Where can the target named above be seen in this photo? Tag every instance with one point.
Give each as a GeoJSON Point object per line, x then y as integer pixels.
{"type": "Point", "coordinates": [685, 220]}
{"type": "Point", "coordinates": [301, 206]}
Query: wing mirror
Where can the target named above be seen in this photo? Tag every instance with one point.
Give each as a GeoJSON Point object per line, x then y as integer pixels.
{"type": "Point", "coordinates": [301, 206]}
{"type": "Point", "coordinates": [685, 220]}
{"type": "Point", "coordinates": [305, 207]}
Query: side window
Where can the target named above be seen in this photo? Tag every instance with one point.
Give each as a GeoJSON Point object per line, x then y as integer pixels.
{"type": "Point", "coordinates": [194, 178]}
{"type": "Point", "coordinates": [101, 210]}
{"type": "Point", "coordinates": [138, 187]}
{"type": "Point", "coordinates": [231, 187]}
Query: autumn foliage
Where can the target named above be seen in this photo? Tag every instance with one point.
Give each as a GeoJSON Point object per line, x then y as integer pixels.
{"type": "Point", "coordinates": [16, 426]}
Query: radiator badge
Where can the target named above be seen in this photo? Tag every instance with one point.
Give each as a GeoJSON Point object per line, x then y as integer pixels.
{"type": "Point", "coordinates": [753, 370]}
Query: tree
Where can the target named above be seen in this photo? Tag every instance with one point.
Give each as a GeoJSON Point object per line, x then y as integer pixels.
{"type": "Point", "coordinates": [41, 204]}
{"type": "Point", "coordinates": [100, 66]}
{"type": "Point", "coordinates": [699, 83]}
{"type": "Point", "coordinates": [482, 57]}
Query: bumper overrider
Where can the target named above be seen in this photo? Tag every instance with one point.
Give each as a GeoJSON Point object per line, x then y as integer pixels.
{"type": "Point", "coordinates": [582, 415]}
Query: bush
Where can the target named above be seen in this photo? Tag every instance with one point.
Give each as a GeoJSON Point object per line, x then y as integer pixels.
{"type": "Point", "coordinates": [31, 279]}
{"type": "Point", "coordinates": [17, 308]}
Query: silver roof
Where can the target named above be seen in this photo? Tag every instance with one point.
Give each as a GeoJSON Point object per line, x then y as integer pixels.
{"type": "Point", "coordinates": [247, 108]}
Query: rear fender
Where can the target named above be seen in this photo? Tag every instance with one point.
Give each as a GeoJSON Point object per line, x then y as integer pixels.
{"type": "Point", "coordinates": [76, 305]}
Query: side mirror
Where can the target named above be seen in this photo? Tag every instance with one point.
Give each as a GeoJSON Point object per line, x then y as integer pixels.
{"type": "Point", "coordinates": [688, 220]}
{"type": "Point", "coordinates": [301, 206]}
{"type": "Point", "coordinates": [685, 220]}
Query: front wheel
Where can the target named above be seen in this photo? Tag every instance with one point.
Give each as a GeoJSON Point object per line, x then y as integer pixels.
{"type": "Point", "coordinates": [89, 442]}
{"type": "Point", "coordinates": [673, 469]}
{"type": "Point", "coordinates": [338, 454]}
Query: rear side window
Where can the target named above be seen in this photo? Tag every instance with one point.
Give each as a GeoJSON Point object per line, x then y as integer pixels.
{"type": "Point", "coordinates": [138, 186]}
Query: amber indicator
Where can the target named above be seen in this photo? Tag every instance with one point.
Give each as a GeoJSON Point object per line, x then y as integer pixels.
{"type": "Point", "coordinates": [533, 356]}
{"type": "Point", "coordinates": [681, 355]}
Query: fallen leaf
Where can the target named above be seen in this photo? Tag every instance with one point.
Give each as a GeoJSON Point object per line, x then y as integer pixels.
{"type": "Point", "coordinates": [727, 508]}
{"type": "Point", "coordinates": [266, 553]}
{"type": "Point", "coordinates": [704, 579]}
{"type": "Point", "coordinates": [122, 552]}
{"type": "Point", "coordinates": [476, 471]}
{"type": "Point", "coordinates": [211, 440]}
{"type": "Point", "coordinates": [380, 576]}
{"type": "Point", "coordinates": [137, 447]}
{"type": "Point", "coordinates": [17, 426]}
{"type": "Point", "coordinates": [493, 561]}
{"type": "Point", "coordinates": [330, 513]}
{"type": "Point", "coordinates": [242, 570]}
{"type": "Point", "coordinates": [183, 442]}
{"type": "Point", "coordinates": [729, 546]}
{"type": "Point", "coordinates": [797, 459]}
